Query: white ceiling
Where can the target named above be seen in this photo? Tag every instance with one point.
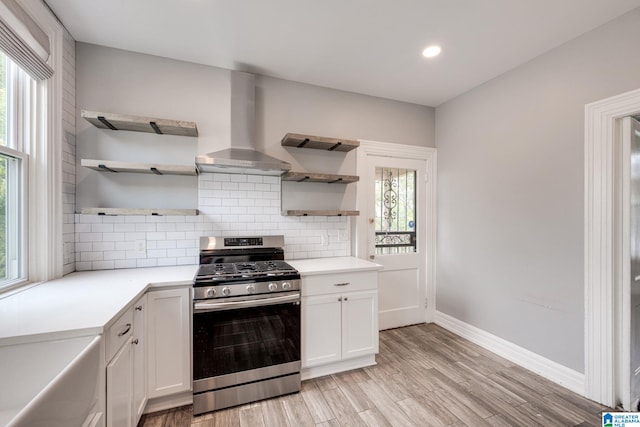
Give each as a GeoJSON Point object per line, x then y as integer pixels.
{"type": "Point", "coordinates": [365, 46]}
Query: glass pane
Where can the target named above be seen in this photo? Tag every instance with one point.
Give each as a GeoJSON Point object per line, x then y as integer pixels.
{"type": "Point", "coordinates": [395, 210]}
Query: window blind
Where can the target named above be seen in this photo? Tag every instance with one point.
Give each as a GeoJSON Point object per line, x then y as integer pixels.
{"type": "Point", "coordinates": [23, 40]}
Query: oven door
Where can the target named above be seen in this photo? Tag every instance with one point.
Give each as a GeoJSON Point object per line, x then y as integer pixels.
{"type": "Point", "coordinates": [245, 339]}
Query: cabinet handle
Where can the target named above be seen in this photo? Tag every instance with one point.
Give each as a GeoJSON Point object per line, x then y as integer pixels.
{"type": "Point", "coordinates": [340, 299]}
{"type": "Point", "coordinates": [342, 284]}
{"type": "Point", "coordinates": [345, 298]}
{"type": "Point", "coordinates": [139, 308]}
{"type": "Point", "coordinates": [127, 329]}
{"type": "Point", "coordinates": [135, 341]}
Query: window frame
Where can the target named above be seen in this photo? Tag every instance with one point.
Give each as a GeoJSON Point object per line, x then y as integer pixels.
{"type": "Point", "coordinates": [22, 213]}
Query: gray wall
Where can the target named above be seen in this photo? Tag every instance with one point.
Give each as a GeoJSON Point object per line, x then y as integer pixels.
{"type": "Point", "coordinates": [118, 81]}
{"type": "Point", "coordinates": [510, 192]}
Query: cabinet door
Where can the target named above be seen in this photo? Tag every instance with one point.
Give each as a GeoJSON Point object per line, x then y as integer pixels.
{"type": "Point", "coordinates": [359, 324]}
{"type": "Point", "coordinates": [168, 342]}
{"type": "Point", "coordinates": [119, 387]}
{"type": "Point", "coordinates": [321, 329]}
{"type": "Point", "coordinates": [139, 358]}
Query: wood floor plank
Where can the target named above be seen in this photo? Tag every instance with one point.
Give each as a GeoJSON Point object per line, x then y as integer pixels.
{"type": "Point", "coordinates": [274, 414]}
{"type": "Point", "coordinates": [425, 376]}
{"type": "Point", "coordinates": [385, 404]}
{"type": "Point", "coordinates": [316, 403]}
{"type": "Point", "coordinates": [297, 413]}
{"type": "Point", "coordinates": [180, 417]}
{"type": "Point", "coordinates": [227, 418]}
{"type": "Point", "coordinates": [418, 413]}
{"type": "Point", "coordinates": [459, 409]}
{"type": "Point", "coordinates": [152, 420]}
{"type": "Point", "coordinates": [373, 418]}
{"type": "Point", "coordinates": [325, 383]}
{"type": "Point", "coordinates": [439, 412]}
{"type": "Point", "coordinates": [251, 417]}
{"type": "Point", "coordinates": [354, 394]}
{"type": "Point", "coordinates": [330, 423]}
{"type": "Point", "coordinates": [338, 402]}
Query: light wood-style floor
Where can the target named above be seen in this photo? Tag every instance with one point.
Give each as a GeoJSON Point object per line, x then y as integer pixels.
{"type": "Point", "coordinates": [425, 376]}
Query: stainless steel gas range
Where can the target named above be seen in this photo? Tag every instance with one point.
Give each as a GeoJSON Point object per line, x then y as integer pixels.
{"type": "Point", "coordinates": [246, 322]}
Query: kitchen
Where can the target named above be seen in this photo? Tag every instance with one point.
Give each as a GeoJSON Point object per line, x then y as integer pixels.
{"type": "Point", "coordinates": [538, 286]}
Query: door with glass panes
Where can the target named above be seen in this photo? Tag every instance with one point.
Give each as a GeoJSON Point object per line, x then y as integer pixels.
{"type": "Point", "coordinates": [396, 212]}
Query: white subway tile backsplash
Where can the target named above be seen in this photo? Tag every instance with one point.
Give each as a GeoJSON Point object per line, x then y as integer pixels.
{"type": "Point", "coordinates": [125, 246]}
{"type": "Point", "coordinates": [151, 262]}
{"type": "Point", "coordinates": [103, 246]}
{"type": "Point", "coordinates": [167, 261]}
{"type": "Point", "coordinates": [125, 228]}
{"type": "Point", "coordinates": [91, 256]}
{"type": "Point", "coordinates": [88, 237]}
{"type": "Point", "coordinates": [102, 228]}
{"type": "Point", "coordinates": [229, 205]}
{"type": "Point", "coordinates": [145, 227]}
{"type": "Point", "coordinates": [125, 263]}
{"type": "Point", "coordinates": [163, 244]}
{"type": "Point", "coordinates": [134, 219]}
{"type": "Point", "coordinates": [156, 235]}
{"type": "Point", "coordinates": [114, 255]}
{"type": "Point", "coordinates": [103, 265]}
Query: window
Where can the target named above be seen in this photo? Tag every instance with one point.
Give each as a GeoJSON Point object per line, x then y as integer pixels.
{"type": "Point", "coordinates": [15, 123]}
{"type": "Point", "coordinates": [395, 217]}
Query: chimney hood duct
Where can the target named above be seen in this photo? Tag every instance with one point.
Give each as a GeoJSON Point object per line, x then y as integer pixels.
{"type": "Point", "coordinates": [242, 157]}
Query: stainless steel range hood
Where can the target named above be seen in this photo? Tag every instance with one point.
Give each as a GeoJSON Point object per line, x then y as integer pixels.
{"type": "Point", "coordinates": [242, 157]}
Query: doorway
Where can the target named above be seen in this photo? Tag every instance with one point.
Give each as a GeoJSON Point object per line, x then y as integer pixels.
{"type": "Point", "coordinates": [605, 231]}
{"type": "Point", "coordinates": [396, 228]}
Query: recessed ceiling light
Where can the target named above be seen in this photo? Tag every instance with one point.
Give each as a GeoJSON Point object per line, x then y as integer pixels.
{"type": "Point", "coordinates": [431, 51]}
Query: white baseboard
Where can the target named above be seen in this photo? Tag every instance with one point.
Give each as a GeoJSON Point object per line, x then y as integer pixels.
{"type": "Point", "coordinates": [334, 368]}
{"type": "Point", "coordinates": [168, 402]}
{"type": "Point", "coordinates": [542, 366]}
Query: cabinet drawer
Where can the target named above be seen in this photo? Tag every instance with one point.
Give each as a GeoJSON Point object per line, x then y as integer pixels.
{"type": "Point", "coordinates": [119, 333]}
{"type": "Point", "coordinates": [340, 282]}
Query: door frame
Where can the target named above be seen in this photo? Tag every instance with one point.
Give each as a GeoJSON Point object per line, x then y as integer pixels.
{"type": "Point", "coordinates": [426, 233]}
{"type": "Point", "coordinates": [603, 233]}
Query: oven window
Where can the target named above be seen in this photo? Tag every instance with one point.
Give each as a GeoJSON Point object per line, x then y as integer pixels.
{"type": "Point", "coordinates": [231, 341]}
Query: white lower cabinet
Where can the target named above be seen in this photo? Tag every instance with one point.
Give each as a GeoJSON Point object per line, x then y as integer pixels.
{"type": "Point", "coordinates": [321, 330]}
{"type": "Point", "coordinates": [339, 322]}
{"type": "Point", "coordinates": [139, 358]}
{"type": "Point", "coordinates": [125, 355]}
{"type": "Point", "coordinates": [168, 342]}
{"type": "Point", "coordinates": [359, 324]}
{"type": "Point", "coordinates": [119, 390]}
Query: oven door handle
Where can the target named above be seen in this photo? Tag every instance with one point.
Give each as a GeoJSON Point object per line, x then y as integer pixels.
{"type": "Point", "coordinates": [202, 306]}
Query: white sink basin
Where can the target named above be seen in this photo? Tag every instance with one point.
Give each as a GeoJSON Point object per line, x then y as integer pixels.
{"type": "Point", "coordinates": [50, 383]}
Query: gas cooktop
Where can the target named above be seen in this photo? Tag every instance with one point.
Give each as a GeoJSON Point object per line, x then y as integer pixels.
{"type": "Point", "coordinates": [228, 271]}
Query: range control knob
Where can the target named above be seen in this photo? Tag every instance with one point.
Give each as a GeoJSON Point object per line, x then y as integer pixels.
{"type": "Point", "coordinates": [286, 286]}
{"type": "Point", "coordinates": [211, 292]}
{"type": "Point", "coordinates": [226, 291]}
{"type": "Point", "coordinates": [251, 289]}
{"type": "Point", "coordinates": [273, 286]}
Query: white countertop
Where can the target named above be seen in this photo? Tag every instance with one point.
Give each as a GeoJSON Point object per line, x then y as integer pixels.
{"type": "Point", "coordinates": [81, 303]}
{"type": "Point", "coordinates": [84, 303]}
{"type": "Point", "coordinates": [313, 266]}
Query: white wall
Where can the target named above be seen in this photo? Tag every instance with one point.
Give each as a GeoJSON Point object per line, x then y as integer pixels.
{"type": "Point", "coordinates": [112, 80]}
{"type": "Point", "coordinates": [510, 192]}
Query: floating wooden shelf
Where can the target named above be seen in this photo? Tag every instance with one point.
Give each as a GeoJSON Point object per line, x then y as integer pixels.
{"type": "Point", "coordinates": [320, 213]}
{"type": "Point", "coordinates": [140, 124]}
{"type": "Point", "coordinates": [319, 177]}
{"type": "Point", "coordinates": [128, 167]}
{"type": "Point", "coordinates": [136, 211]}
{"type": "Point", "coordinates": [318, 142]}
